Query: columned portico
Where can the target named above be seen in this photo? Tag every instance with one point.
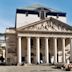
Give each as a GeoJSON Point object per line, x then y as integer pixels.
{"type": "Point", "coordinates": [29, 50]}
{"type": "Point", "coordinates": [46, 50]}
{"type": "Point", "coordinates": [19, 50]}
{"type": "Point", "coordinates": [63, 50]}
{"type": "Point", "coordinates": [55, 50]}
{"type": "Point", "coordinates": [38, 50]}
{"type": "Point", "coordinates": [52, 45]}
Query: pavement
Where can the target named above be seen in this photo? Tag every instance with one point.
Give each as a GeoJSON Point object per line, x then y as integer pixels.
{"type": "Point", "coordinates": [32, 68]}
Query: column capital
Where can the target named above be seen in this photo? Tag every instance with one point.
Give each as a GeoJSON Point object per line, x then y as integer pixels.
{"type": "Point", "coordinates": [54, 37]}
{"type": "Point", "coordinates": [19, 36]}
{"type": "Point", "coordinates": [70, 39]}
{"type": "Point", "coordinates": [28, 37]}
{"type": "Point", "coordinates": [63, 38]}
{"type": "Point", "coordinates": [46, 37]}
{"type": "Point", "coordinates": [37, 37]}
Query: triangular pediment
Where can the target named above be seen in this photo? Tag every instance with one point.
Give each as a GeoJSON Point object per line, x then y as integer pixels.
{"type": "Point", "coordinates": [49, 24]}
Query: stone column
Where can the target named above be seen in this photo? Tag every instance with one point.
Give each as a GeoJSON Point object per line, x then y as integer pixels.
{"type": "Point", "coordinates": [71, 50]}
{"type": "Point", "coordinates": [29, 50]}
{"type": "Point", "coordinates": [3, 53]}
{"type": "Point", "coordinates": [55, 50]}
{"type": "Point", "coordinates": [46, 51]}
{"type": "Point", "coordinates": [63, 50]}
{"type": "Point", "coordinates": [19, 51]}
{"type": "Point", "coordinates": [38, 50]}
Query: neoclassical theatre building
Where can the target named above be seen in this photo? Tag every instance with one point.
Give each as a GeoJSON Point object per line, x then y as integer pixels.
{"type": "Point", "coordinates": [40, 35]}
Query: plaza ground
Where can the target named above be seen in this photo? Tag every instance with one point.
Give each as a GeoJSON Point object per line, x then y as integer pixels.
{"type": "Point", "coordinates": [33, 68]}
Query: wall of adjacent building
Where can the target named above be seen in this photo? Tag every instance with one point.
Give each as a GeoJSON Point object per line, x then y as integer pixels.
{"type": "Point", "coordinates": [11, 48]}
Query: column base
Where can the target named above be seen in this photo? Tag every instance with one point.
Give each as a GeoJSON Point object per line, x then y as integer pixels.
{"type": "Point", "coordinates": [55, 63]}
{"type": "Point", "coordinates": [20, 64]}
{"type": "Point", "coordinates": [47, 63]}
{"type": "Point", "coordinates": [27, 64]}
{"type": "Point", "coordinates": [70, 61]}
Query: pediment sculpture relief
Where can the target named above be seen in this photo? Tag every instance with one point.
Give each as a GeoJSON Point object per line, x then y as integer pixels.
{"type": "Point", "coordinates": [46, 26]}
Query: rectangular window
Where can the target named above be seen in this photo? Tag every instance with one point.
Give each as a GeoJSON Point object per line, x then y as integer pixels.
{"type": "Point", "coordinates": [42, 15]}
{"type": "Point", "coordinates": [26, 13]}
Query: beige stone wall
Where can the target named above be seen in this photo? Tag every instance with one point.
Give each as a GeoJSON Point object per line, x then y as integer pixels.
{"type": "Point", "coordinates": [11, 48]}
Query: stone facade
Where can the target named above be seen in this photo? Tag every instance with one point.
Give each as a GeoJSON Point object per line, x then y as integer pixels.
{"type": "Point", "coordinates": [39, 40]}
{"type": "Point", "coordinates": [11, 45]}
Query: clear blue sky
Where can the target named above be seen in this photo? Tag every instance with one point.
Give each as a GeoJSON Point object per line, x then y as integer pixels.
{"type": "Point", "coordinates": [8, 9]}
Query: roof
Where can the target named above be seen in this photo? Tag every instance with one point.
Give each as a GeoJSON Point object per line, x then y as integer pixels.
{"type": "Point", "coordinates": [36, 6]}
